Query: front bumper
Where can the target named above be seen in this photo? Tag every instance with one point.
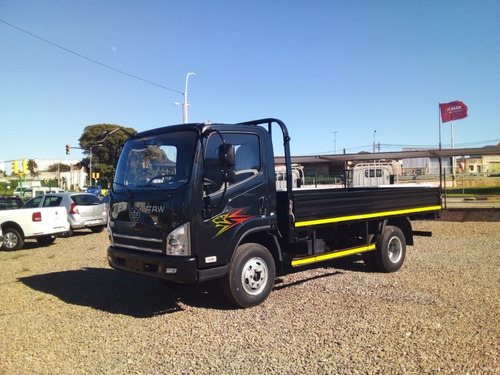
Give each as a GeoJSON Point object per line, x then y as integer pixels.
{"type": "Point", "coordinates": [175, 269]}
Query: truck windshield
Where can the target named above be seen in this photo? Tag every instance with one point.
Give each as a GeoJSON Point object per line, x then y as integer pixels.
{"type": "Point", "coordinates": [160, 162]}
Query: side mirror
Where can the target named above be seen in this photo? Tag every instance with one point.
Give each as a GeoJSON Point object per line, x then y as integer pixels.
{"type": "Point", "coordinates": [226, 161]}
{"type": "Point", "coordinates": [226, 155]}
{"type": "Point", "coordinates": [228, 174]}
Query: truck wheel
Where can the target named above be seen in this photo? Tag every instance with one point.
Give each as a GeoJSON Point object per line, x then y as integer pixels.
{"type": "Point", "coordinates": [250, 277]}
{"type": "Point", "coordinates": [13, 240]}
{"type": "Point", "coordinates": [67, 234]}
{"type": "Point", "coordinates": [45, 240]}
{"type": "Point", "coordinates": [391, 249]}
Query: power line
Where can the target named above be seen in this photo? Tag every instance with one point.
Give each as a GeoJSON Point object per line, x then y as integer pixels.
{"type": "Point", "coordinates": [89, 59]}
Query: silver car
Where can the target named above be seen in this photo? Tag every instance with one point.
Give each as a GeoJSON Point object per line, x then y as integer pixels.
{"type": "Point", "coordinates": [84, 210]}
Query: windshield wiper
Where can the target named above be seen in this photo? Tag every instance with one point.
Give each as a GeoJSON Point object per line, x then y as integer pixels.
{"type": "Point", "coordinates": [157, 188]}
{"type": "Point", "coordinates": [127, 190]}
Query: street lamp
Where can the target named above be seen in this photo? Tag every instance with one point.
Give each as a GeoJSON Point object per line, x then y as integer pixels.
{"type": "Point", "coordinates": [374, 145]}
{"type": "Point", "coordinates": [185, 104]}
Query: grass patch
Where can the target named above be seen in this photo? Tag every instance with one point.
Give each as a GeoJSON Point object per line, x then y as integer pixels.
{"type": "Point", "coordinates": [489, 190]}
{"type": "Point", "coordinates": [17, 256]}
{"type": "Point", "coordinates": [51, 256]}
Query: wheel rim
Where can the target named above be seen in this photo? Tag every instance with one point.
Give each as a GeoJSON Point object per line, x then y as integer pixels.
{"type": "Point", "coordinates": [395, 249]}
{"type": "Point", "coordinates": [254, 276]}
{"type": "Point", "coordinates": [10, 240]}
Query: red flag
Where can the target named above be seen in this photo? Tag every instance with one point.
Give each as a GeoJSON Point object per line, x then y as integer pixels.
{"type": "Point", "coordinates": [453, 111]}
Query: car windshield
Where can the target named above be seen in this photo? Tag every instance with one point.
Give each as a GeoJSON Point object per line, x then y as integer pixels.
{"type": "Point", "coordinates": [159, 162]}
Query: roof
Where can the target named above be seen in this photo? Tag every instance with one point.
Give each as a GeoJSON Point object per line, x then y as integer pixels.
{"type": "Point", "coordinates": [436, 153]}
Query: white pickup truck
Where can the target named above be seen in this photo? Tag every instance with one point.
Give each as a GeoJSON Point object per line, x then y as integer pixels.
{"type": "Point", "coordinates": [42, 224]}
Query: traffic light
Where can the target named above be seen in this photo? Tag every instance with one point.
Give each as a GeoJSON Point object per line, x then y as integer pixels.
{"type": "Point", "coordinates": [68, 149]}
{"type": "Point", "coordinates": [15, 167]}
{"type": "Point", "coordinates": [25, 165]}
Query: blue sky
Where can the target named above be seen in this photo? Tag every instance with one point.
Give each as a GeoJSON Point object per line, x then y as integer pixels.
{"type": "Point", "coordinates": [350, 67]}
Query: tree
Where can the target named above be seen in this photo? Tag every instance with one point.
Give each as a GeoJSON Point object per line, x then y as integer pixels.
{"type": "Point", "coordinates": [58, 167]}
{"type": "Point", "coordinates": [104, 148]}
{"type": "Point", "coordinates": [32, 167]}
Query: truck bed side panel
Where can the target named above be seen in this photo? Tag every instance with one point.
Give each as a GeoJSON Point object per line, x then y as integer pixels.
{"type": "Point", "coordinates": [312, 207]}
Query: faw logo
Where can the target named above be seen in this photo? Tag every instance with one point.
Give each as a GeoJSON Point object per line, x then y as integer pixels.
{"type": "Point", "coordinates": [228, 221]}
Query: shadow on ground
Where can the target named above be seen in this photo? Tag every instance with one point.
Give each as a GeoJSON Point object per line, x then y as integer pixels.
{"type": "Point", "coordinates": [123, 293]}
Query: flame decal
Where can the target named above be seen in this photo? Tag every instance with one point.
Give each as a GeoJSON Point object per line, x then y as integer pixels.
{"type": "Point", "coordinates": [228, 221]}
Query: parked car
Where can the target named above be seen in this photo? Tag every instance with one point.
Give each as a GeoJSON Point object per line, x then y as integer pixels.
{"type": "Point", "coordinates": [10, 203]}
{"type": "Point", "coordinates": [105, 200]}
{"type": "Point", "coordinates": [95, 189]}
{"type": "Point", "coordinates": [85, 210]}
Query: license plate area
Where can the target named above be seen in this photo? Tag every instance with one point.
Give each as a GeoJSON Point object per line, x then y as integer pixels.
{"type": "Point", "coordinates": [134, 265]}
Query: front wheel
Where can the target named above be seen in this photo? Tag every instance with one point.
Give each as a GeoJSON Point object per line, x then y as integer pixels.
{"type": "Point", "coordinates": [250, 277]}
{"type": "Point", "coordinates": [391, 249]}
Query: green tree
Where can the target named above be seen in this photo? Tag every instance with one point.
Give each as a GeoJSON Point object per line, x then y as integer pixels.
{"type": "Point", "coordinates": [105, 147]}
{"type": "Point", "coordinates": [58, 167]}
{"type": "Point", "coordinates": [32, 167]}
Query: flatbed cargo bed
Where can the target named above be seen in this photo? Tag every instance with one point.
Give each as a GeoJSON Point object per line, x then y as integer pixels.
{"type": "Point", "coordinates": [324, 206]}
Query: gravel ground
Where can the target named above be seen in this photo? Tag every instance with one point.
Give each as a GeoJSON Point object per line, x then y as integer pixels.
{"type": "Point", "coordinates": [64, 311]}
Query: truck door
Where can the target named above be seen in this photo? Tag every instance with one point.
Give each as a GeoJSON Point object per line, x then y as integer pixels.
{"type": "Point", "coordinates": [242, 206]}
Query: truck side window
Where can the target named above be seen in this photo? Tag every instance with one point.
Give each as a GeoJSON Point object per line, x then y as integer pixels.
{"type": "Point", "coordinates": [247, 158]}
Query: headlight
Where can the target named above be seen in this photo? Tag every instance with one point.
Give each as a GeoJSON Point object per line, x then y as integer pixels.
{"type": "Point", "coordinates": [179, 241]}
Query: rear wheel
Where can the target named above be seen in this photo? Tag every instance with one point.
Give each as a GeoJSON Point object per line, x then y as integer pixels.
{"type": "Point", "coordinates": [13, 239]}
{"type": "Point", "coordinates": [250, 277]}
{"type": "Point", "coordinates": [67, 234]}
{"type": "Point", "coordinates": [391, 249]}
{"type": "Point", "coordinates": [98, 229]}
{"type": "Point", "coordinates": [45, 240]}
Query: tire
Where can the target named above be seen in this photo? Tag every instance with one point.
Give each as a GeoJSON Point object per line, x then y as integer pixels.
{"type": "Point", "coordinates": [98, 229]}
{"type": "Point", "coordinates": [67, 234]}
{"type": "Point", "coordinates": [250, 276]}
{"type": "Point", "coordinates": [13, 240]}
{"type": "Point", "coordinates": [391, 249]}
{"type": "Point", "coordinates": [45, 240]}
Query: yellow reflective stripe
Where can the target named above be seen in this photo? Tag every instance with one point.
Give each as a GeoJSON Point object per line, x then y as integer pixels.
{"type": "Point", "coordinates": [337, 254]}
{"type": "Point", "coordinates": [365, 216]}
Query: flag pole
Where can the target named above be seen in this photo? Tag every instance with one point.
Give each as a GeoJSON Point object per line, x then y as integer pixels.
{"type": "Point", "coordinates": [439, 119]}
{"type": "Point", "coordinates": [453, 159]}
{"type": "Point", "coordinates": [440, 159]}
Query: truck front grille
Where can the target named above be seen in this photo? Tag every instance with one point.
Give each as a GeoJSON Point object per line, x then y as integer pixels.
{"type": "Point", "coordinates": [139, 243]}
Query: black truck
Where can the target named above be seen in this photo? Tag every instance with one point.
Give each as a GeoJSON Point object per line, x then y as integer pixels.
{"type": "Point", "coordinates": [196, 202]}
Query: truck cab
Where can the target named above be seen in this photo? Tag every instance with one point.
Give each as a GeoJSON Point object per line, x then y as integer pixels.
{"type": "Point", "coordinates": [183, 195]}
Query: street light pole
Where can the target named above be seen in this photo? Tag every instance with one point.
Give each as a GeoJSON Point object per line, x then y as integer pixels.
{"type": "Point", "coordinates": [90, 166]}
{"type": "Point", "coordinates": [185, 104]}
